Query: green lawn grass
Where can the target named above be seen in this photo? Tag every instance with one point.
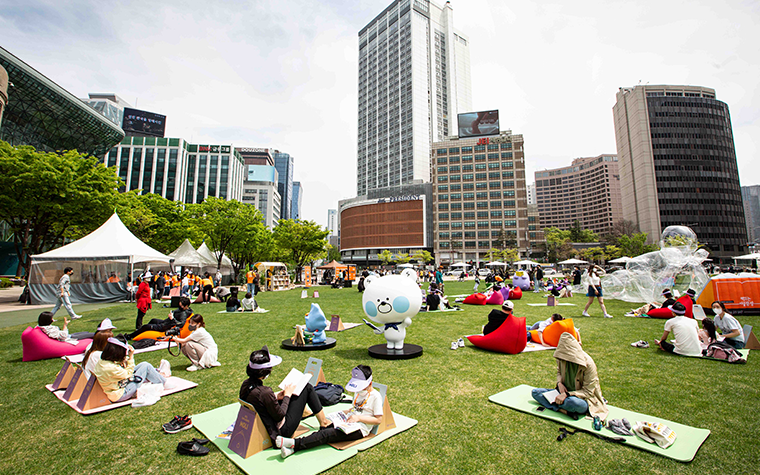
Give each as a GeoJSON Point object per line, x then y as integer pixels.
{"type": "Point", "coordinates": [459, 431]}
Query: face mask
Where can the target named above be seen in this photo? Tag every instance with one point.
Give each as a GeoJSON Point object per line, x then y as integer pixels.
{"type": "Point", "coordinates": [717, 310]}
{"type": "Point", "coordinates": [192, 327]}
{"type": "Point", "coordinates": [362, 393]}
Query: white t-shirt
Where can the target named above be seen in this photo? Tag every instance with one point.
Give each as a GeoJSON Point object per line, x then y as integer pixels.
{"type": "Point", "coordinates": [686, 332]}
{"type": "Point", "coordinates": [373, 407]}
{"type": "Point", "coordinates": [542, 325]}
{"type": "Point", "coordinates": [726, 323]}
{"type": "Point", "coordinates": [594, 280]}
{"type": "Point", "coordinates": [203, 338]}
{"type": "Point", "coordinates": [91, 362]}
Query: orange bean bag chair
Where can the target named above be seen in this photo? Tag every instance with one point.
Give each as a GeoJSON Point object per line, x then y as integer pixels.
{"type": "Point", "coordinates": [183, 333]}
{"type": "Point", "coordinates": [686, 301]}
{"type": "Point", "coordinates": [660, 313]}
{"type": "Point", "coordinates": [475, 299]}
{"type": "Point", "coordinates": [515, 294]}
{"type": "Point", "coordinates": [36, 345]}
{"type": "Point", "coordinates": [509, 338]}
{"type": "Point", "coordinates": [495, 299]}
{"type": "Point", "coordinates": [212, 299]}
{"type": "Point", "coordinates": [554, 331]}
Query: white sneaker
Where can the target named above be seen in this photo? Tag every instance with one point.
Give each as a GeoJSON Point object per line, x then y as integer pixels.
{"type": "Point", "coordinates": [75, 317]}
{"type": "Point", "coordinates": [165, 368]}
{"type": "Point", "coordinates": [460, 343]}
{"type": "Point", "coordinates": [454, 345]}
{"type": "Point", "coordinates": [607, 315]}
{"type": "Point", "coordinates": [585, 314]}
{"type": "Point", "coordinates": [192, 367]}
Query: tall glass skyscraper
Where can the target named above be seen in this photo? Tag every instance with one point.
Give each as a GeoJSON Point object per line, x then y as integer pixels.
{"type": "Point", "coordinates": [414, 78]}
{"type": "Point", "coordinates": [284, 164]}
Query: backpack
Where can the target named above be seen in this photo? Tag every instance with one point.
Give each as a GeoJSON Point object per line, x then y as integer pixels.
{"type": "Point", "coordinates": [329, 394]}
{"type": "Point", "coordinates": [144, 343]}
{"type": "Point", "coordinates": [723, 351]}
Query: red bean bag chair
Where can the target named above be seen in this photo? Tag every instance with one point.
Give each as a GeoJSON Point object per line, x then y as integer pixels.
{"type": "Point", "coordinates": [36, 345]}
{"type": "Point", "coordinates": [554, 331]}
{"type": "Point", "coordinates": [686, 301]}
{"type": "Point", "coordinates": [660, 313]}
{"type": "Point", "coordinates": [212, 299]}
{"type": "Point", "coordinates": [495, 299]}
{"type": "Point", "coordinates": [515, 294]}
{"type": "Point", "coordinates": [509, 338]}
{"type": "Point", "coordinates": [475, 299]}
{"type": "Point", "coordinates": [183, 333]}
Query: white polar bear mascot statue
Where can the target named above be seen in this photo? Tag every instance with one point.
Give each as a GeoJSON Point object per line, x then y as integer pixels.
{"type": "Point", "coordinates": [392, 300]}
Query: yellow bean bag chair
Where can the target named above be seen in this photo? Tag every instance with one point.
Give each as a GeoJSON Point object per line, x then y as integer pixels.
{"type": "Point", "coordinates": [183, 333]}
{"type": "Point", "coordinates": [554, 331]}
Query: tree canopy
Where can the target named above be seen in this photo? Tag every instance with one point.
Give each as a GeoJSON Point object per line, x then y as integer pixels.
{"type": "Point", "coordinates": [302, 241]}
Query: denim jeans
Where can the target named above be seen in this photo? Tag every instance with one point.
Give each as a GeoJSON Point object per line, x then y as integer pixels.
{"type": "Point", "coordinates": [148, 373]}
{"type": "Point", "coordinates": [66, 304]}
{"type": "Point", "coordinates": [570, 404]}
{"type": "Point", "coordinates": [251, 289]}
{"type": "Point", "coordinates": [735, 343]}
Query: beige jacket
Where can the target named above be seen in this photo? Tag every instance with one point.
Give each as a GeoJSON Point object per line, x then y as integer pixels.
{"type": "Point", "coordinates": [586, 380]}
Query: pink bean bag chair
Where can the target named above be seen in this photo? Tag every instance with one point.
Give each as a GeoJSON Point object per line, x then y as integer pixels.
{"type": "Point", "coordinates": [511, 337]}
{"type": "Point", "coordinates": [36, 345]}
{"type": "Point", "coordinates": [475, 299]}
{"type": "Point", "coordinates": [212, 299]}
{"type": "Point", "coordinates": [495, 299]}
{"type": "Point", "coordinates": [515, 294]}
{"type": "Point", "coordinates": [504, 292]}
{"type": "Point", "coordinates": [686, 301]}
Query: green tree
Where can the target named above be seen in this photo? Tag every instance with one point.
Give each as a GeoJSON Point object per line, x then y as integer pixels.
{"type": "Point", "coordinates": [422, 256]}
{"type": "Point", "coordinates": [612, 252]}
{"type": "Point", "coordinates": [332, 253]}
{"type": "Point", "coordinates": [171, 225]}
{"type": "Point", "coordinates": [401, 258]}
{"type": "Point", "coordinates": [593, 254]}
{"type": "Point", "coordinates": [48, 197]}
{"type": "Point", "coordinates": [302, 241]}
{"type": "Point", "coordinates": [385, 257]}
{"type": "Point", "coordinates": [510, 255]}
{"type": "Point", "coordinates": [635, 245]}
{"type": "Point", "coordinates": [254, 243]}
{"type": "Point", "coordinates": [221, 221]}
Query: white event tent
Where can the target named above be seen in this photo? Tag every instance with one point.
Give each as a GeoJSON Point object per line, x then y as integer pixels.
{"type": "Point", "coordinates": [102, 262]}
{"type": "Point", "coordinates": [186, 256]}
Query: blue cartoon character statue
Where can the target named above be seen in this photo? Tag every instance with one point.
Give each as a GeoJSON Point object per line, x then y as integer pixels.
{"type": "Point", "coordinates": [316, 324]}
{"type": "Point", "coordinates": [521, 279]}
{"type": "Point", "coordinates": [392, 301]}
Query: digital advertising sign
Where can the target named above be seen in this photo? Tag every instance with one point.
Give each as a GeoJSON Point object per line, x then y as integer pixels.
{"type": "Point", "coordinates": [143, 122]}
{"type": "Point", "coordinates": [476, 124]}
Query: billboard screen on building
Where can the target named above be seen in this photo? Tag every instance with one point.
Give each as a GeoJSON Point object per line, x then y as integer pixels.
{"type": "Point", "coordinates": [475, 124]}
{"type": "Point", "coordinates": [143, 122]}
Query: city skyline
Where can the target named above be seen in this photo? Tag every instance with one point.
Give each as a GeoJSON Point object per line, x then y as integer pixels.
{"type": "Point", "coordinates": [291, 83]}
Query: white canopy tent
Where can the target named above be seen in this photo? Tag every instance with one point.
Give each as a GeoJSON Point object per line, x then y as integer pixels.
{"type": "Point", "coordinates": [748, 257]}
{"type": "Point", "coordinates": [186, 256]}
{"type": "Point", "coordinates": [620, 260]}
{"type": "Point", "coordinates": [573, 261]}
{"type": "Point", "coordinates": [406, 265]}
{"type": "Point", "coordinates": [102, 261]}
{"type": "Point", "coordinates": [495, 263]}
{"type": "Point", "coordinates": [527, 263]}
{"type": "Point", "coordinates": [460, 264]}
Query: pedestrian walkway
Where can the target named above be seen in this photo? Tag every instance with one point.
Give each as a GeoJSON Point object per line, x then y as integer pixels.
{"type": "Point", "coordinates": [13, 312]}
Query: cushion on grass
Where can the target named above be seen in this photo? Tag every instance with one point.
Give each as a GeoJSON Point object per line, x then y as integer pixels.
{"type": "Point", "coordinates": [36, 345]}
{"type": "Point", "coordinates": [686, 301]}
{"type": "Point", "coordinates": [183, 333]}
{"type": "Point", "coordinates": [554, 331]}
{"type": "Point", "coordinates": [660, 313]}
{"type": "Point", "coordinates": [504, 292]}
{"type": "Point", "coordinates": [475, 299]}
{"type": "Point", "coordinates": [515, 294]}
{"type": "Point", "coordinates": [509, 338]}
{"type": "Point", "coordinates": [212, 299]}
{"type": "Point", "coordinates": [495, 299]}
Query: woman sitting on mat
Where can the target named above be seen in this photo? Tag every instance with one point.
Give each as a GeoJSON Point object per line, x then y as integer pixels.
{"type": "Point", "coordinates": [577, 382]}
{"type": "Point", "coordinates": [729, 327]}
{"type": "Point", "coordinates": [281, 412]}
{"type": "Point", "coordinates": [233, 304]}
{"type": "Point", "coordinates": [707, 334]}
{"type": "Point", "coordinates": [117, 373]}
{"type": "Point", "coordinates": [199, 346]}
{"type": "Point", "coordinates": [365, 413]}
{"type": "Point", "coordinates": [99, 341]}
{"type": "Point", "coordinates": [248, 304]}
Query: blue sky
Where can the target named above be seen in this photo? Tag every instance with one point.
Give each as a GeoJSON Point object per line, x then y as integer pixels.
{"type": "Point", "coordinates": [284, 74]}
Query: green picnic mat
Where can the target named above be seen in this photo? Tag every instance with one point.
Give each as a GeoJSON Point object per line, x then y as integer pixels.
{"type": "Point", "coordinates": [687, 443]}
{"type": "Point", "coordinates": [402, 423]}
{"type": "Point", "coordinates": [307, 462]}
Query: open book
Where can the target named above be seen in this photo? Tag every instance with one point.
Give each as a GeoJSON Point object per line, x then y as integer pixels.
{"type": "Point", "coordinates": [551, 396]}
{"type": "Point", "coordinates": [298, 378]}
{"type": "Point", "coordinates": [340, 421]}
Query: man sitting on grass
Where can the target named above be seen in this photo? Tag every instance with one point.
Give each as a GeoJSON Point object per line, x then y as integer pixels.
{"type": "Point", "coordinates": [685, 330]}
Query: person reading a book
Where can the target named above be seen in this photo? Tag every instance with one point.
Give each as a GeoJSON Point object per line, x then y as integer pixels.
{"type": "Point", "coordinates": [280, 412]}
{"type": "Point", "coordinates": [355, 423]}
{"type": "Point", "coordinates": [578, 390]}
